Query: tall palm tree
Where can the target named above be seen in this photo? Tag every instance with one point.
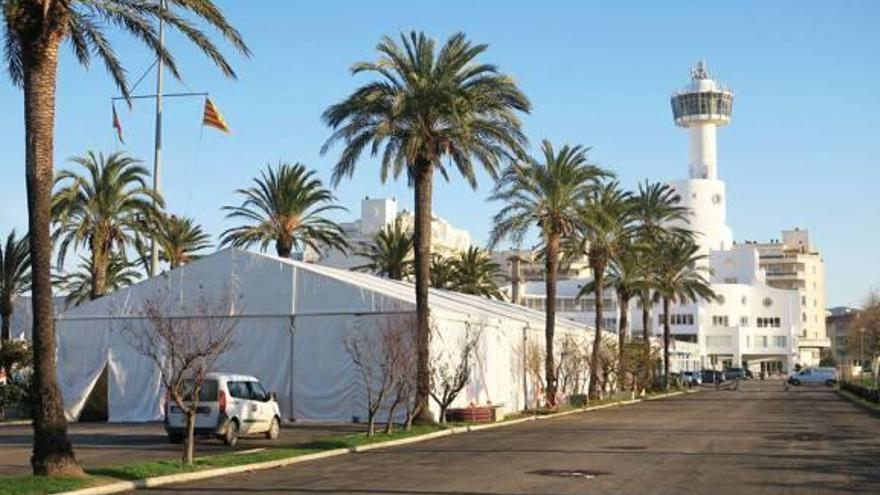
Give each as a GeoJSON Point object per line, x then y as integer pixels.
{"type": "Point", "coordinates": [545, 193]}
{"type": "Point", "coordinates": [390, 252]}
{"type": "Point", "coordinates": [604, 230]}
{"type": "Point", "coordinates": [15, 277]}
{"type": "Point", "coordinates": [627, 276]}
{"type": "Point", "coordinates": [33, 32]}
{"type": "Point", "coordinates": [180, 239]}
{"type": "Point", "coordinates": [476, 273]}
{"type": "Point", "coordinates": [286, 206]}
{"type": "Point", "coordinates": [680, 278]}
{"type": "Point", "coordinates": [79, 285]}
{"type": "Point", "coordinates": [421, 106]}
{"type": "Point", "coordinates": [102, 210]}
{"type": "Point", "coordinates": [659, 217]}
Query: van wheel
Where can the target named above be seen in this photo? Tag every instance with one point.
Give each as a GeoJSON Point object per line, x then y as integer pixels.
{"type": "Point", "coordinates": [175, 438]}
{"type": "Point", "coordinates": [796, 383]}
{"type": "Point", "coordinates": [231, 436]}
{"type": "Point", "coordinates": [274, 429]}
{"type": "Point", "coordinates": [829, 383]}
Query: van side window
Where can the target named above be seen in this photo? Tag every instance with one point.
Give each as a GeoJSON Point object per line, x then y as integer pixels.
{"type": "Point", "coordinates": [239, 390]}
{"type": "Point", "coordinates": [256, 391]}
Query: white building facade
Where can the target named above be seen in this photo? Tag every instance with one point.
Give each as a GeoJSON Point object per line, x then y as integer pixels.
{"type": "Point", "coordinates": [755, 322]}
{"type": "Point", "coordinates": [376, 214]}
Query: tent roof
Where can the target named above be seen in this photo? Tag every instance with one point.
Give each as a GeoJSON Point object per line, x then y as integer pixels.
{"type": "Point", "coordinates": [259, 284]}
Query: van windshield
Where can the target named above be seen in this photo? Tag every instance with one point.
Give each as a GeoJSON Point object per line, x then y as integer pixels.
{"type": "Point", "coordinates": [207, 393]}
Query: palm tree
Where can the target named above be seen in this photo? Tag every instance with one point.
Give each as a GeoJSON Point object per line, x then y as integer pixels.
{"type": "Point", "coordinates": [15, 277]}
{"type": "Point", "coordinates": [180, 239]}
{"type": "Point", "coordinates": [102, 210]}
{"type": "Point", "coordinates": [545, 194]}
{"type": "Point", "coordinates": [390, 252]}
{"type": "Point", "coordinates": [286, 207]}
{"type": "Point", "coordinates": [79, 285]}
{"type": "Point", "coordinates": [679, 278]}
{"type": "Point", "coordinates": [604, 230]}
{"type": "Point", "coordinates": [658, 217]}
{"type": "Point", "coordinates": [627, 276]}
{"type": "Point", "coordinates": [476, 273]}
{"type": "Point", "coordinates": [422, 106]}
{"type": "Point", "coordinates": [34, 31]}
{"type": "Point", "coordinates": [442, 272]}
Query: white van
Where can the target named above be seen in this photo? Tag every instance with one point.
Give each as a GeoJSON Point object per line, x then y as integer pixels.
{"type": "Point", "coordinates": [229, 405]}
{"type": "Point", "coordinates": [828, 376]}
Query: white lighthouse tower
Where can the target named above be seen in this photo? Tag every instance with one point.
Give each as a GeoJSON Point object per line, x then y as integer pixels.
{"type": "Point", "coordinates": [702, 107]}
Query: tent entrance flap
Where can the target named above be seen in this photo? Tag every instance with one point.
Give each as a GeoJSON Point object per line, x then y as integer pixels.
{"type": "Point", "coordinates": [96, 407]}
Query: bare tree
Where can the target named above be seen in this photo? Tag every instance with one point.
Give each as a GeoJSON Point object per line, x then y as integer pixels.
{"type": "Point", "coordinates": [573, 363]}
{"type": "Point", "coordinates": [376, 355]}
{"type": "Point", "coordinates": [183, 348]}
{"type": "Point", "coordinates": [404, 362]}
{"type": "Point", "coordinates": [450, 370]}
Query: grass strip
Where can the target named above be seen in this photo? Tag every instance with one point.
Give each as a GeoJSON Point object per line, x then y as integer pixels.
{"type": "Point", "coordinates": [41, 485]}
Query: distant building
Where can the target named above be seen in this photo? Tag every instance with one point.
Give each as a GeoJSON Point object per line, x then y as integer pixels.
{"type": "Point", "coordinates": [840, 323]}
{"type": "Point", "coordinates": [795, 264]}
{"type": "Point", "coordinates": [376, 214]}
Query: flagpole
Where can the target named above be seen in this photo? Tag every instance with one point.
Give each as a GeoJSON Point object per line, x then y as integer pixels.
{"type": "Point", "coordinates": [157, 150]}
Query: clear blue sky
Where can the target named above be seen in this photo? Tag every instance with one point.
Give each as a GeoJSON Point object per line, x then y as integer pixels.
{"type": "Point", "coordinates": [801, 150]}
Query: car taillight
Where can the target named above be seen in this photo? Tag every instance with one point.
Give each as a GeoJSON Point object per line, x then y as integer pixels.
{"type": "Point", "coordinates": [221, 399]}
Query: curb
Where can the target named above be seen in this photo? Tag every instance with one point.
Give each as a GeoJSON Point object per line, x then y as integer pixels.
{"type": "Point", "coordinates": [17, 422]}
{"type": "Point", "coordinates": [124, 486]}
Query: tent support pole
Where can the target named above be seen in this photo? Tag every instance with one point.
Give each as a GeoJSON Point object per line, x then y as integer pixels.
{"type": "Point", "coordinates": [292, 330]}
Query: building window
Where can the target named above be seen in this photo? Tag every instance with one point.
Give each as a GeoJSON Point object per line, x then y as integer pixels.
{"type": "Point", "coordinates": [720, 321]}
{"type": "Point", "coordinates": [780, 341]}
{"type": "Point", "coordinates": [768, 322]}
{"type": "Point", "coordinates": [767, 302]}
{"type": "Point", "coordinates": [804, 317]}
{"type": "Point", "coordinates": [762, 341]}
{"type": "Point", "coordinates": [804, 300]}
{"type": "Point", "coordinates": [677, 319]}
{"type": "Point", "coordinates": [743, 321]}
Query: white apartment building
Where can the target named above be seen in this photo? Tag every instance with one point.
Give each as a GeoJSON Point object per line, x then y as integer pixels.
{"type": "Point", "coordinates": [765, 317]}
{"type": "Point", "coordinates": [794, 263]}
{"type": "Point", "coordinates": [376, 214]}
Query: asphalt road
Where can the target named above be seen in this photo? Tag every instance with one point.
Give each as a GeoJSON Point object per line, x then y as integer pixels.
{"type": "Point", "coordinates": [756, 440]}
{"type": "Point", "coordinates": [103, 444]}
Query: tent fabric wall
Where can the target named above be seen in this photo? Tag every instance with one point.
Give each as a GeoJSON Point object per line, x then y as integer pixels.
{"type": "Point", "coordinates": [290, 322]}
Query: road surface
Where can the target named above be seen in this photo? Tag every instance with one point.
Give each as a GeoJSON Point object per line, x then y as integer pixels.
{"type": "Point", "coordinates": [756, 440]}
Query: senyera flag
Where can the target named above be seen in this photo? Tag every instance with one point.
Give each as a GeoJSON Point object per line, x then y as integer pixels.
{"type": "Point", "coordinates": [213, 118]}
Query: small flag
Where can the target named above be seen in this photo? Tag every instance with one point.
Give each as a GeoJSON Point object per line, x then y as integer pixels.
{"type": "Point", "coordinates": [117, 125]}
{"type": "Point", "coordinates": [212, 117]}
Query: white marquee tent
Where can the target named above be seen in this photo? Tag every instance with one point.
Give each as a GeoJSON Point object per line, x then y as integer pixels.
{"type": "Point", "coordinates": [291, 319]}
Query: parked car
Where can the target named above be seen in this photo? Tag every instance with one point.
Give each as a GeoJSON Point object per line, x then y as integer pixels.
{"type": "Point", "coordinates": [694, 377]}
{"type": "Point", "coordinates": [229, 406]}
{"type": "Point", "coordinates": [735, 374]}
{"type": "Point", "coordinates": [713, 376]}
{"type": "Point", "coordinates": [811, 375]}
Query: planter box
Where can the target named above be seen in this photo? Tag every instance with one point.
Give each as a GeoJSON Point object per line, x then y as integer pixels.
{"type": "Point", "coordinates": [478, 414]}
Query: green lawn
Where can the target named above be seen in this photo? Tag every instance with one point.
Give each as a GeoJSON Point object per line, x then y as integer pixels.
{"type": "Point", "coordinates": [38, 485]}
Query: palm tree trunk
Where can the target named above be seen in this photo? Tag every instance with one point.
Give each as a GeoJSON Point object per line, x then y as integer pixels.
{"type": "Point", "coordinates": [599, 279]}
{"type": "Point", "coordinates": [551, 265]}
{"type": "Point", "coordinates": [53, 453]}
{"type": "Point", "coordinates": [666, 333]}
{"type": "Point", "coordinates": [5, 316]}
{"type": "Point", "coordinates": [283, 247]}
{"type": "Point", "coordinates": [100, 260]}
{"type": "Point", "coordinates": [622, 334]}
{"type": "Point", "coordinates": [646, 318]}
{"type": "Point", "coordinates": [424, 181]}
